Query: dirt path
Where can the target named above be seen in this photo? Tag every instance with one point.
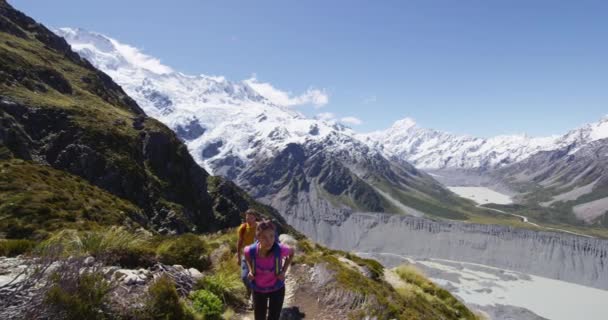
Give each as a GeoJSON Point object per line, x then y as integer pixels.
{"type": "Point", "coordinates": [301, 300]}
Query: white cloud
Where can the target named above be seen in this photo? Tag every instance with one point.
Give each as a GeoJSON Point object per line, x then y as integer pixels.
{"type": "Point", "coordinates": [137, 58]}
{"type": "Point", "coordinates": [327, 116]}
{"type": "Point", "coordinates": [352, 120]}
{"type": "Point", "coordinates": [315, 97]}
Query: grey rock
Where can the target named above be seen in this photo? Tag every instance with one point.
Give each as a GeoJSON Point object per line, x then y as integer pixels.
{"type": "Point", "coordinates": [194, 273]}
{"type": "Point", "coordinates": [89, 261]}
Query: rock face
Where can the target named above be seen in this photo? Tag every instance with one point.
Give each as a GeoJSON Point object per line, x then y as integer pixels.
{"type": "Point", "coordinates": [555, 255]}
{"type": "Point", "coordinates": [317, 182]}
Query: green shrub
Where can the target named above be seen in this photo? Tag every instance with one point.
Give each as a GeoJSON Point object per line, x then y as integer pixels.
{"type": "Point", "coordinates": [15, 247]}
{"type": "Point", "coordinates": [187, 250]}
{"type": "Point", "coordinates": [226, 285]}
{"type": "Point", "coordinates": [78, 296]}
{"type": "Point", "coordinates": [131, 257]}
{"type": "Point", "coordinates": [163, 301]}
{"type": "Point", "coordinates": [207, 303]}
{"type": "Point", "coordinates": [16, 229]}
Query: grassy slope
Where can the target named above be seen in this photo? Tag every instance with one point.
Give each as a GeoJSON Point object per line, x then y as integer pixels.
{"type": "Point", "coordinates": [36, 200]}
{"type": "Point", "coordinates": [420, 300]}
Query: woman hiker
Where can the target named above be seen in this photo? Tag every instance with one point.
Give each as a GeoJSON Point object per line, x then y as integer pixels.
{"type": "Point", "coordinates": [268, 261]}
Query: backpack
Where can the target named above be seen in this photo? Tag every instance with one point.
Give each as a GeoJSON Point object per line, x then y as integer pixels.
{"type": "Point", "coordinates": [276, 250]}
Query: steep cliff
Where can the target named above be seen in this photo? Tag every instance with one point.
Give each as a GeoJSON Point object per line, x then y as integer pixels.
{"type": "Point", "coordinates": [555, 255]}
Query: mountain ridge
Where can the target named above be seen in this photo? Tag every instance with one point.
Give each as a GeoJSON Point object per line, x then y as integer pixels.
{"type": "Point", "coordinates": [230, 130]}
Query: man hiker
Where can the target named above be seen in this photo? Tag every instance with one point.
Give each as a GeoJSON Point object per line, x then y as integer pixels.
{"type": "Point", "coordinates": [246, 236]}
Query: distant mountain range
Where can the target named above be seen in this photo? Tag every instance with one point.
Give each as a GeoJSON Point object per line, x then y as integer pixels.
{"type": "Point", "coordinates": [302, 165]}
{"type": "Point", "coordinates": [432, 149]}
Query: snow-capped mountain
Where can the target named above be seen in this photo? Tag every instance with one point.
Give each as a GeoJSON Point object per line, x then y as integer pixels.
{"type": "Point", "coordinates": [218, 118]}
{"type": "Point", "coordinates": [561, 179]}
{"type": "Point", "coordinates": [431, 149]}
{"type": "Point", "coordinates": [178, 99]}
{"type": "Point", "coordinates": [301, 166]}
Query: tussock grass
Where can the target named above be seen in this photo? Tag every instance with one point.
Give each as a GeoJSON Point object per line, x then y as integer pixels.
{"type": "Point", "coordinates": [225, 283]}
{"type": "Point", "coordinates": [421, 292]}
{"type": "Point", "coordinates": [15, 247]}
{"type": "Point", "coordinates": [188, 250]}
{"type": "Point", "coordinates": [114, 245]}
{"type": "Point", "coordinates": [79, 243]}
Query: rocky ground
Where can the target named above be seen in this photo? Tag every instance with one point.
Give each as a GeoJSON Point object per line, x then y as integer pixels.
{"type": "Point", "coordinates": [22, 281]}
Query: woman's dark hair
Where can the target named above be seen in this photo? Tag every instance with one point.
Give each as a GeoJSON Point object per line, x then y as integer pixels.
{"type": "Point", "coordinates": [265, 225]}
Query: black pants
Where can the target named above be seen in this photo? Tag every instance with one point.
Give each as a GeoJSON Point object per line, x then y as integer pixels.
{"type": "Point", "coordinates": [271, 302]}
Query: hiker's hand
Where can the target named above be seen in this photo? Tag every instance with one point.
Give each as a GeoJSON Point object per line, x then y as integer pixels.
{"type": "Point", "coordinates": [281, 276]}
{"type": "Point", "coordinates": [250, 276]}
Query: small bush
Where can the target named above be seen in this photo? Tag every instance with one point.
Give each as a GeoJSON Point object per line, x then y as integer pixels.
{"type": "Point", "coordinates": [15, 247]}
{"type": "Point", "coordinates": [226, 285]}
{"type": "Point", "coordinates": [187, 250]}
{"type": "Point", "coordinates": [131, 257]}
{"type": "Point", "coordinates": [15, 229]}
{"type": "Point", "coordinates": [163, 301]}
{"type": "Point", "coordinates": [207, 303]}
{"type": "Point", "coordinates": [79, 296]}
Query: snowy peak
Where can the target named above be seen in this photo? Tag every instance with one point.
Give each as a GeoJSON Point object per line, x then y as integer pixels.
{"type": "Point", "coordinates": [109, 53]}
{"type": "Point", "coordinates": [599, 130]}
{"type": "Point", "coordinates": [589, 132]}
{"type": "Point", "coordinates": [139, 73]}
{"type": "Point", "coordinates": [225, 124]}
{"type": "Point", "coordinates": [403, 124]}
{"type": "Point", "coordinates": [431, 149]}
{"type": "Point", "coordinates": [236, 119]}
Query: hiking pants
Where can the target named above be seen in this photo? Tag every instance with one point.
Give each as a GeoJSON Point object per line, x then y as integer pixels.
{"type": "Point", "coordinates": [244, 273]}
{"type": "Point", "coordinates": [271, 302]}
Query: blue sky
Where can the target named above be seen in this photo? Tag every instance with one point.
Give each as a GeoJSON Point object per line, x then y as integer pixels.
{"type": "Point", "coordinates": [477, 67]}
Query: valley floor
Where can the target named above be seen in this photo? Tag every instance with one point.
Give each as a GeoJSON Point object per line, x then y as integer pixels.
{"type": "Point", "coordinates": [504, 294]}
